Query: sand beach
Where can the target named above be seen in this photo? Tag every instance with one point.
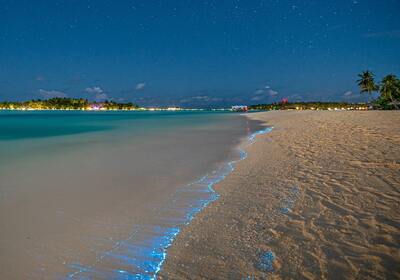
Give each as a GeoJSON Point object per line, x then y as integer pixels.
{"type": "Point", "coordinates": [199, 140]}
{"type": "Point", "coordinates": [317, 198]}
{"type": "Point", "coordinates": [82, 195]}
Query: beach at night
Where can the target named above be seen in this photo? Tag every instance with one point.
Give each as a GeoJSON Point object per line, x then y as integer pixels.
{"type": "Point", "coordinates": [199, 139]}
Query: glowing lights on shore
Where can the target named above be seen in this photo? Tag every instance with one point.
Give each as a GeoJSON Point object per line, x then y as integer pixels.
{"type": "Point", "coordinates": [359, 108]}
{"type": "Point", "coordinates": [171, 109]}
{"type": "Point", "coordinates": [96, 108]}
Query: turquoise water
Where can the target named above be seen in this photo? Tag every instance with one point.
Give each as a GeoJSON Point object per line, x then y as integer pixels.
{"type": "Point", "coordinates": [42, 132]}
{"type": "Point", "coordinates": [41, 124]}
{"type": "Point", "coordinates": [101, 195]}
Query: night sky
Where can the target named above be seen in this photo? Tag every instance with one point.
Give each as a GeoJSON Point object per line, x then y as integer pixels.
{"type": "Point", "coordinates": [195, 53]}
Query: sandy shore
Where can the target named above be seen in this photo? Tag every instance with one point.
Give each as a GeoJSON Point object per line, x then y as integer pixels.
{"type": "Point", "coordinates": [84, 204]}
{"type": "Point", "coordinates": [319, 196]}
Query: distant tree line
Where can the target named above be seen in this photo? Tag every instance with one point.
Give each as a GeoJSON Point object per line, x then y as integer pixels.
{"type": "Point", "coordinates": [66, 104]}
{"type": "Point", "coordinates": [388, 89]}
{"type": "Point", "coordinates": [286, 105]}
{"type": "Point", "coordinates": [388, 99]}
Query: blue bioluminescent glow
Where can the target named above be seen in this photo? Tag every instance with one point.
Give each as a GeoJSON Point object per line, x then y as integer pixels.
{"type": "Point", "coordinates": [142, 254]}
{"type": "Point", "coordinates": [288, 203]}
{"type": "Point", "coordinates": [267, 258]}
{"type": "Point", "coordinates": [267, 261]}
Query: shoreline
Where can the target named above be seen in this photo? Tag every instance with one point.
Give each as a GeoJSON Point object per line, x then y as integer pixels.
{"type": "Point", "coordinates": [190, 200]}
{"type": "Point", "coordinates": [228, 167]}
{"type": "Point", "coordinates": [301, 183]}
{"type": "Point", "coordinates": [108, 224]}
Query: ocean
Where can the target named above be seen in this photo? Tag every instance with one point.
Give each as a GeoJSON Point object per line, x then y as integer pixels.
{"type": "Point", "coordinates": [101, 195]}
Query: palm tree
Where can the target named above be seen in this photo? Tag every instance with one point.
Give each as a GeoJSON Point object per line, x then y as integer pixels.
{"type": "Point", "coordinates": [366, 82]}
{"type": "Point", "coordinates": [390, 89]}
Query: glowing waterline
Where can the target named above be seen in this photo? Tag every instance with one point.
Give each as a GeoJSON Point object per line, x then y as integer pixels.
{"type": "Point", "coordinates": [142, 254]}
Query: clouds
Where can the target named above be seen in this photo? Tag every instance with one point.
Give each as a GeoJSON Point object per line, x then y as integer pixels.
{"type": "Point", "coordinates": [99, 94]}
{"type": "Point", "coordinates": [351, 96]}
{"type": "Point", "coordinates": [299, 97]}
{"type": "Point", "coordinates": [272, 92]}
{"type": "Point", "coordinates": [259, 92]}
{"type": "Point", "coordinates": [201, 99]}
{"type": "Point", "coordinates": [140, 86]}
{"type": "Point", "coordinates": [198, 99]}
{"type": "Point", "coordinates": [101, 97]}
{"type": "Point", "coordinates": [257, 98]}
{"type": "Point", "coordinates": [95, 90]}
{"type": "Point", "coordinates": [263, 93]}
{"type": "Point", "coordinates": [51, 93]}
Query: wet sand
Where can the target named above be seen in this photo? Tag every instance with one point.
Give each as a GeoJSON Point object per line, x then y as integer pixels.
{"type": "Point", "coordinates": [317, 198]}
{"type": "Point", "coordinates": [66, 202]}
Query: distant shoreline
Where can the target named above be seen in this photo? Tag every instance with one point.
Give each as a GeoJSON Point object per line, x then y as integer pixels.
{"type": "Point", "coordinates": [113, 110]}
{"type": "Point", "coordinates": [171, 109]}
{"type": "Point", "coordinates": [81, 104]}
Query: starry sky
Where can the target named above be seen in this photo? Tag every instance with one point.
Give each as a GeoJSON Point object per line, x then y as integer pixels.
{"type": "Point", "coordinates": [194, 53]}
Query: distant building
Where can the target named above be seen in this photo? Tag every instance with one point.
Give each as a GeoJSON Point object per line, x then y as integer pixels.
{"type": "Point", "coordinates": [284, 101]}
{"type": "Point", "coordinates": [96, 106]}
{"type": "Point", "coordinates": [240, 108]}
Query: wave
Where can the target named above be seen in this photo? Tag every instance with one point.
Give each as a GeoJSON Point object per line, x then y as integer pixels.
{"type": "Point", "coordinates": [142, 254]}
